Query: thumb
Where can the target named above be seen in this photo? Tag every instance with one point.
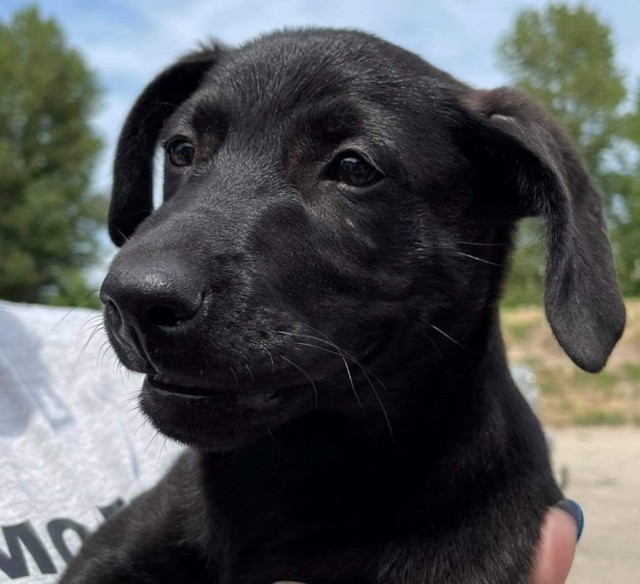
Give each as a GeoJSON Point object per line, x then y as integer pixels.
{"type": "Point", "coordinates": [560, 533]}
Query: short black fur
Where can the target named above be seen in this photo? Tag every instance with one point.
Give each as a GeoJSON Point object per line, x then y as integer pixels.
{"type": "Point", "coordinates": [331, 352]}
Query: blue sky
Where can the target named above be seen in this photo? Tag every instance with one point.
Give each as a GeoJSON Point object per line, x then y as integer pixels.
{"type": "Point", "coordinates": [127, 42]}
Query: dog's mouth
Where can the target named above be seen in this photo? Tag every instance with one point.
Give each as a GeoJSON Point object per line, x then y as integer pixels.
{"type": "Point", "coordinates": [167, 386]}
{"type": "Point", "coordinates": [214, 415]}
{"type": "Point", "coordinates": [220, 412]}
{"type": "Point", "coordinates": [232, 386]}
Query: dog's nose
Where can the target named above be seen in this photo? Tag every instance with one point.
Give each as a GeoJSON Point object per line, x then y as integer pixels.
{"type": "Point", "coordinates": [151, 300]}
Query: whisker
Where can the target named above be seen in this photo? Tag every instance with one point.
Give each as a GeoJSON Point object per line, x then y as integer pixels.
{"type": "Point", "coordinates": [235, 376]}
{"type": "Point", "coordinates": [460, 253]}
{"type": "Point", "coordinates": [96, 330]}
{"type": "Point", "coordinates": [273, 365]}
{"type": "Point", "coordinates": [315, 389]}
{"type": "Point", "coordinates": [162, 449]}
{"type": "Point", "coordinates": [73, 309]}
{"type": "Point", "coordinates": [353, 388]}
{"type": "Point", "coordinates": [315, 330]}
{"type": "Point", "coordinates": [66, 314]}
{"type": "Point", "coordinates": [157, 432]}
{"type": "Point", "coordinates": [142, 425]}
{"type": "Point", "coordinates": [307, 336]}
{"type": "Point", "coordinates": [122, 372]}
{"type": "Point", "coordinates": [342, 351]}
{"type": "Point", "coordinates": [122, 234]}
{"type": "Point", "coordinates": [102, 351]}
{"type": "Point", "coordinates": [91, 321]}
{"type": "Point", "coordinates": [328, 341]}
{"type": "Point", "coordinates": [435, 328]}
{"type": "Point", "coordinates": [132, 410]}
{"type": "Point", "coordinates": [85, 347]}
{"type": "Point", "coordinates": [353, 359]}
{"type": "Point", "coordinates": [366, 372]}
{"type": "Point", "coordinates": [435, 346]}
{"type": "Point", "coordinates": [384, 410]}
{"type": "Point", "coordinates": [481, 244]}
{"type": "Point", "coordinates": [248, 368]}
{"type": "Point", "coordinates": [131, 398]}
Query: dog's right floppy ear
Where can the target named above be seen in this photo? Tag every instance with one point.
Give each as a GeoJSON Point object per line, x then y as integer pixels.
{"type": "Point", "coordinates": [132, 194]}
{"type": "Point", "coordinates": [532, 162]}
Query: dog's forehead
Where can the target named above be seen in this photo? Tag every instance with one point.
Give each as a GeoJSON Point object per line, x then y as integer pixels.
{"type": "Point", "coordinates": [284, 69]}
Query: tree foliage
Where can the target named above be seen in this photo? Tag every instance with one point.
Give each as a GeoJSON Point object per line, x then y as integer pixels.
{"type": "Point", "coordinates": [48, 215]}
{"type": "Point", "coordinates": [564, 56]}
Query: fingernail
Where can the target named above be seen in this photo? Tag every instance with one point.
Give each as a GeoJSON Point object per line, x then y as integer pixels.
{"type": "Point", "coordinates": [573, 509]}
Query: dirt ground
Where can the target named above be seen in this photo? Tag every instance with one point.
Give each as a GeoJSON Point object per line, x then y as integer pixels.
{"type": "Point", "coordinates": [602, 466]}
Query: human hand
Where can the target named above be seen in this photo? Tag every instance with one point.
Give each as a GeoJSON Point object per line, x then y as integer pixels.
{"type": "Point", "coordinates": [560, 534]}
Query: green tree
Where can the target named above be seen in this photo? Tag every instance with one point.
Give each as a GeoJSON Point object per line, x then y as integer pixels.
{"type": "Point", "coordinates": [564, 56]}
{"type": "Point", "coordinates": [48, 215]}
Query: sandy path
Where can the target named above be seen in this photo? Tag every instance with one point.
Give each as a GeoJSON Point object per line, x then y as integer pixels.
{"type": "Point", "coordinates": [603, 467]}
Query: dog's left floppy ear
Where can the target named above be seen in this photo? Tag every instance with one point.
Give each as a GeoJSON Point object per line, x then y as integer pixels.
{"type": "Point", "coordinates": [542, 175]}
{"type": "Point", "coordinates": [132, 196]}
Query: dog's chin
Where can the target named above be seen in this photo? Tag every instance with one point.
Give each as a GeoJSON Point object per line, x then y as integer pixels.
{"type": "Point", "coordinates": [220, 420]}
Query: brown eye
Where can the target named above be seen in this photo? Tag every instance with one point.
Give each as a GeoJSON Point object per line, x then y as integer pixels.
{"type": "Point", "coordinates": [180, 151]}
{"type": "Point", "coordinates": [356, 172]}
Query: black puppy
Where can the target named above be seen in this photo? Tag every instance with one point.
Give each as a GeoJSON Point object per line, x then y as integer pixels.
{"type": "Point", "coordinates": [315, 306]}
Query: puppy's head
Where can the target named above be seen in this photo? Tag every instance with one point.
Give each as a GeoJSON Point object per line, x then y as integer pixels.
{"type": "Point", "coordinates": [331, 202]}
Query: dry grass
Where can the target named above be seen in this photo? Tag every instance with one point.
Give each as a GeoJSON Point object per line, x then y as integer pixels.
{"type": "Point", "coordinates": [570, 396]}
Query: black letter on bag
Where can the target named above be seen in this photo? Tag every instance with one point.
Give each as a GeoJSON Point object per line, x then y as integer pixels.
{"type": "Point", "coordinates": [112, 509]}
{"type": "Point", "coordinates": [13, 563]}
{"type": "Point", "coordinates": [56, 529]}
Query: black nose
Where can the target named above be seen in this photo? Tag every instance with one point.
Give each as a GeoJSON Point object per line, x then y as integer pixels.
{"type": "Point", "coordinates": [150, 300]}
